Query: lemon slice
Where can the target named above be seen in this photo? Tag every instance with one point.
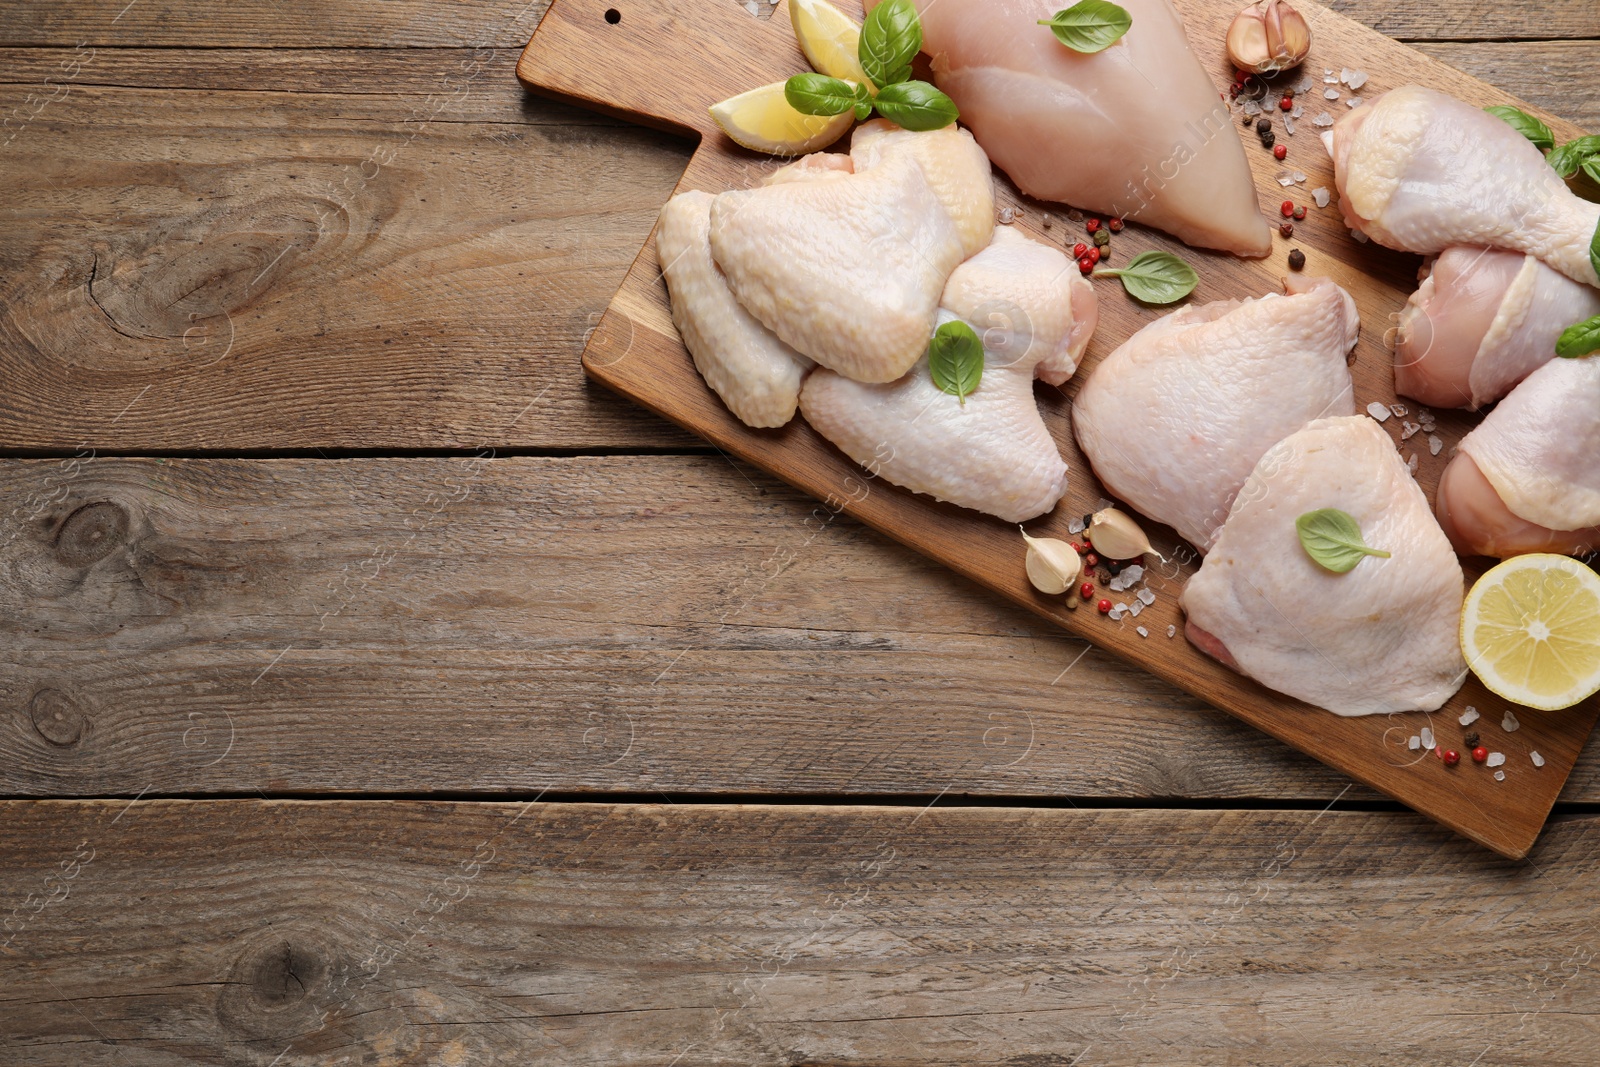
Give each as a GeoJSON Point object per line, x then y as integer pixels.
{"type": "Point", "coordinates": [763, 120]}
{"type": "Point", "coordinates": [829, 38]}
{"type": "Point", "coordinates": [1530, 629]}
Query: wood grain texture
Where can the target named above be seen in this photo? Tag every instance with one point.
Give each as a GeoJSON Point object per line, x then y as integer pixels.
{"type": "Point", "coordinates": [1474, 20]}
{"type": "Point", "coordinates": [640, 64]}
{"type": "Point", "coordinates": [1558, 76]}
{"type": "Point", "coordinates": [235, 269]}
{"type": "Point", "coordinates": [295, 934]}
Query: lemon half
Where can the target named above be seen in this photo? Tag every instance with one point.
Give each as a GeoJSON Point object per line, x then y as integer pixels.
{"type": "Point", "coordinates": [1530, 629]}
{"type": "Point", "coordinates": [763, 120]}
{"type": "Point", "coordinates": [830, 39]}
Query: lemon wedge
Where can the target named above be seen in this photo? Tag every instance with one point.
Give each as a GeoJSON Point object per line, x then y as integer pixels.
{"type": "Point", "coordinates": [829, 38]}
{"type": "Point", "coordinates": [1530, 629]}
{"type": "Point", "coordinates": [763, 120]}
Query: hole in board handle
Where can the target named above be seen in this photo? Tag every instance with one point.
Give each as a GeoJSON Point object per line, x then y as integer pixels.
{"type": "Point", "coordinates": [613, 16]}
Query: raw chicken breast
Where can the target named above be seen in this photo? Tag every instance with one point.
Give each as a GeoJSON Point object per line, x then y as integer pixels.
{"type": "Point", "coordinates": [755, 374]}
{"type": "Point", "coordinates": [1528, 478]}
{"type": "Point", "coordinates": [1482, 321]}
{"type": "Point", "coordinates": [1136, 130]}
{"type": "Point", "coordinates": [1381, 638]}
{"type": "Point", "coordinates": [1174, 419]}
{"type": "Point", "coordinates": [1420, 171]}
{"type": "Point", "coordinates": [1034, 311]}
{"type": "Point", "coordinates": [848, 268]}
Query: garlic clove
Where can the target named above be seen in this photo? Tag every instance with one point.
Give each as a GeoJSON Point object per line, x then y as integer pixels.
{"type": "Point", "coordinates": [1116, 536]}
{"type": "Point", "coordinates": [1267, 37]}
{"type": "Point", "coordinates": [1052, 565]}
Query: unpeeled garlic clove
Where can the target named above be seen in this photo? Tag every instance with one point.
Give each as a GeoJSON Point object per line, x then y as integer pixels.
{"type": "Point", "coordinates": [1052, 565]}
{"type": "Point", "coordinates": [1116, 536]}
{"type": "Point", "coordinates": [1267, 37]}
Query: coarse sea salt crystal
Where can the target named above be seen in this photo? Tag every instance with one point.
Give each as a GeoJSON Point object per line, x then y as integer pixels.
{"type": "Point", "coordinates": [1499, 776]}
{"type": "Point", "coordinates": [1135, 608]}
{"type": "Point", "coordinates": [1495, 759]}
{"type": "Point", "coordinates": [1075, 526]}
{"type": "Point", "coordinates": [1426, 734]}
{"type": "Point", "coordinates": [1538, 760]}
{"type": "Point", "coordinates": [1304, 84]}
{"type": "Point", "coordinates": [1330, 94]}
{"type": "Point", "coordinates": [1415, 743]}
{"type": "Point", "coordinates": [1146, 597]}
{"type": "Point", "coordinates": [1141, 631]}
{"type": "Point", "coordinates": [1379, 411]}
{"type": "Point", "coordinates": [1407, 429]}
{"type": "Point", "coordinates": [1323, 119]}
{"type": "Point", "coordinates": [1288, 125]}
{"type": "Point", "coordinates": [1299, 175]}
{"type": "Point", "coordinates": [1508, 722]}
{"type": "Point", "coordinates": [1286, 179]}
{"type": "Point", "coordinates": [1252, 107]}
{"type": "Point", "coordinates": [1297, 111]}
{"type": "Point", "coordinates": [1134, 574]}
{"type": "Point", "coordinates": [1434, 444]}
{"type": "Point", "coordinates": [1411, 464]}
{"type": "Point", "coordinates": [1321, 195]}
{"type": "Point", "coordinates": [1008, 215]}
{"type": "Point", "coordinates": [1355, 101]}
{"type": "Point", "coordinates": [1469, 716]}
{"type": "Point", "coordinates": [1172, 631]}
{"type": "Point", "coordinates": [1361, 239]}
{"type": "Point", "coordinates": [1355, 79]}
{"type": "Point", "coordinates": [1400, 410]}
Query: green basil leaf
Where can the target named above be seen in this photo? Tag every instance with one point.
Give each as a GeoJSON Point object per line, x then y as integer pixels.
{"type": "Point", "coordinates": [1089, 25]}
{"type": "Point", "coordinates": [1591, 167]}
{"type": "Point", "coordinates": [863, 103]}
{"type": "Point", "coordinates": [1579, 339]}
{"type": "Point", "coordinates": [1570, 156]}
{"type": "Point", "coordinates": [1333, 540]}
{"type": "Point", "coordinates": [1525, 124]}
{"type": "Point", "coordinates": [916, 106]}
{"type": "Point", "coordinates": [955, 359]}
{"type": "Point", "coordinates": [890, 39]}
{"type": "Point", "coordinates": [1594, 251]}
{"type": "Point", "coordinates": [1155, 277]}
{"type": "Point", "coordinates": [818, 94]}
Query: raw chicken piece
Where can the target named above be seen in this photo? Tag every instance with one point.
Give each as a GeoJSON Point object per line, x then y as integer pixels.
{"type": "Point", "coordinates": [1527, 479]}
{"type": "Point", "coordinates": [1174, 419]}
{"type": "Point", "coordinates": [757, 375]}
{"type": "Point", "coordinates": [992, 453]}
{"type": "Point", "coordinates": [1483, 320]}
{"type": "Point", "coordinates": [1381, 638]}
{"type": "Point", "coordinates": [848, 269]}
{"type": "Point", "coordinates": [1420, 171]}
{"type": "Point", "coordinates": [1136, 130]}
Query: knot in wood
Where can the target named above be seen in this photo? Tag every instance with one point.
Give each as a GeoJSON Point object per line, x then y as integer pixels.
{"type": "Point", "coordinates": [92, 533]}
{"type": "Point", "coordinates": [57, 718]}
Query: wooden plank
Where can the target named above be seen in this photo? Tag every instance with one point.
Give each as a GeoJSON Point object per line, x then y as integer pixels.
{"type": "Point", "coordinates": [630, 623]}
{"type": "Point", "coordinates": [242, 270]}
{"type": "Point", "coordinates": [410, 934]}
{"type": "Point", "coordinates": [639, 64]}
{"type": "Point", "coordinates": [1472, 20]}
{"type": "Point", "coordinates": [1556, 75]}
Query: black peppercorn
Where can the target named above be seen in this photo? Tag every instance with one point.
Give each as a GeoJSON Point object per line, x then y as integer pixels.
{"type": "Point", "coordinates": [1471, 740]}
{"type": "Point", "coordinates": [1263, 124]}
{"type": "Point", "coordinates": [1297, 260]}
{"type": "Point", "coordinates": [1102, 238]}
{"type": "Point", "coordinates": [1269, 139]}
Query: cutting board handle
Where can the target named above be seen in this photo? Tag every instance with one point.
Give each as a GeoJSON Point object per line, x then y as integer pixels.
{"type": "Point", "coordinates": [657, 62]}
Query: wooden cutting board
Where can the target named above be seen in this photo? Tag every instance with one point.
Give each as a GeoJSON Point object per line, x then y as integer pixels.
{"type": "Point", "coordinates": [662, 62]}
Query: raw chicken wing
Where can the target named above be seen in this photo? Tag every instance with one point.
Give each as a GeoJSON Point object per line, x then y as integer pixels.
{"type": "Point", "coordinates": [1035, 312]}
{"type": "Point", "coordinates": [1528, 478]}
{"type": "Point", "coordinates": [1420, 171]}
{"type": "Point", "coordinates": [1380, 638]}
{"type": "Point", "coordinates": [1174, 419]}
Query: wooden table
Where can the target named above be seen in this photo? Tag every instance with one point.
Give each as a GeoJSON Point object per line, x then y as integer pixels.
{"type": "Point", "coordinates": [377, 691]}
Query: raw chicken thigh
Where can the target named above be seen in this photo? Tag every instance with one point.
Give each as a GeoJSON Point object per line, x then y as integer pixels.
{"type": "Point", "coordinates": [1528, 478]}
{"type": "Point", "coordinates": [1483, 320]}
{"type": "Point", "coordinates": [1035, 313]}
{"type": "Point", "coordinates": [1174, 419]}
{"type": "Point", "coordinates": [847, 268]}
{"type": "Point", "coordinates": [1381, 638]}
{"type": "Point", "coordinates": [755, 374]}
{"type": "Point", "coordinates": [1420, 171]}
{"type": "Point", "coordinates": [1136, 130]}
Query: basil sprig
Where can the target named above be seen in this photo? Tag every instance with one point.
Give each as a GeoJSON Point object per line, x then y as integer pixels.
{"type": "Point", "coordinates": [890, 39]}
{"type": "Point", "coordinates": [1594, 250]}
{"type": "Point", "coordinates": [1579, 339]}
{"type": "Point", "coordinates": [1332, 538]}
{"type": "Point", "coordinates": [818, 94]}
{"type": "Point", "coordinates": [1577, 155]}
{"type": "Point", "coordinates": [1089, 25]}
{"type": "Point", "coordinates": [1525, 124]}
{"type": "Point", "coordinates": [955, 359]}
{"type": "Point", "coordinates": [1155, 277]}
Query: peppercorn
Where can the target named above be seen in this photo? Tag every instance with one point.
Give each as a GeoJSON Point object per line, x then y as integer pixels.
{"type": "Point", "coordinates": [1450, 756]}
{"type": "Point", "coordinates": [1092, 225]}
{"type": "Point", "coordinates": [1080, 250]}
{"type": "Point", "coordinates": [1286, 104]}
{"type": "Point", "coordinates": [1093, 256]}
{"type": "Point", "coordinates": [1113, 567]}
{"type": "Point", "coordinates": [1102, 238]}
{"type": "Point", "coordinates": [1480, 754]}
{"type": "Point", "coordinates": [1085, 264]}
{"type": "Point", "coordinates": [1263, 125]}
{"type": "Point", "coordinates": [1286, 209]}
{"type": "Point", "coordinates": [1091, 561]}
{"type": "Point", "coordinates": [1088, 521]}
{"type": "Point", "coordinates": [1280, 152]}
{"type": "Point", "coordinates": [1471, 740]}
{"type": "Point", "coordinates": [1300, 212]}
{"type": "Point", "coordinates": [1116, 225]}
{"type": "Point", "coordinates": [1269, 139]}
{"type": "Point", "coordinates": [1297, 260]}
{"type": "Point", "coordinates": [1287, 229]}
{"type": "Point", "coordinates": [1086, 590]}
{"type": "Point", "coordinates": [1105, 253]}
{"type": "Point", "coordinates": [1104, 607]}
{"type": "Point", "coordinates": [1076, 547]}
